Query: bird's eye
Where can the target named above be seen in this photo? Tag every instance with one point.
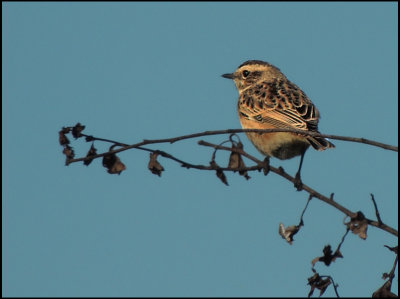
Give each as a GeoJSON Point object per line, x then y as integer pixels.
{"type": "Point", "coordinates": [245, 73]}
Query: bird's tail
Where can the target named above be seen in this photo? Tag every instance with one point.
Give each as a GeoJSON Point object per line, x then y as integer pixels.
{"type": "Point", "coordinates": [320, 143]}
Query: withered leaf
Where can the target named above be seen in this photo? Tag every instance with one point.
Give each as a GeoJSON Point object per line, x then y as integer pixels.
{"type": "Point", "coordinates": [317, 282]}
{"type": "Point", "coordinates": [328, 257]}
{"type": "Point", "coordinates": [68, 152]}
{"type": "Point", "coordinates": [92, 152]}
{"type": "Point", "coordinates": [62, 138]}
{"type": "Point", "coordinates": [154, 166]}
{"type": "Point", "coordinates": [66, 130]}
{"type": "Point", "coordinates": [108, 160]}
{"type": "Point", "coordinates": [242, 165]}
{"type": "Point", "coordinates": [113, 164]}
{"type": "Point", "coordinates": [77, 130]}
{"type": "Point", "coordinates": [118, 167]}
{"type": "Point", "coordinates": [358, 225]}
{"type": "Point", "coordinates": [219, 172]}
{"type": "Point", "coordinates": [236, 161]}
{"type": "Point", "coordinates": [287, 233]}
{"type": "Point", "coordinates": [384, 291]}
{"type": "Point", "coordinates": [222, 177]}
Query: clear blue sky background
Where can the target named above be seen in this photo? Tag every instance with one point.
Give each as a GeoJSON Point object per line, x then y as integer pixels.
{"type": "Point", "coordinates": [130, 71]}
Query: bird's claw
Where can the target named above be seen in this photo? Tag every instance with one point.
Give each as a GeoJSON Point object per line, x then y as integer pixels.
{"type": "Point", "coordinates": [298, 184]}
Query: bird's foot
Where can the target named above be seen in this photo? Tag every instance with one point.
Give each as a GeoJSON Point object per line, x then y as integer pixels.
{"type": "Point", "coordinates": [298, 184]}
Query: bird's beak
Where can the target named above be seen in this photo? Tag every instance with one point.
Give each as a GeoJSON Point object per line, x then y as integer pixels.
{"type": "Point", "coordinates": [228, 76]}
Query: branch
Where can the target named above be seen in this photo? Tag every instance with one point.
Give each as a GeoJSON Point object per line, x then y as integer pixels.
{"type": "Point", "coordinates": [281, 172]}
{"type": "Point", "coordinates": [230, 131]}
{"type": "Point", "coordinates": [358, 223]}
{"type": "Point", "coordinates": [260, 165]}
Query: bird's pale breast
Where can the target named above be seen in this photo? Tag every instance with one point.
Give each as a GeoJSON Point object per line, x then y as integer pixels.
{"type": "Point", "coordinates": [279, 145]}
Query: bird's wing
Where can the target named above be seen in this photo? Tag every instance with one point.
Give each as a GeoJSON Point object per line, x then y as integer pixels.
{"type": "Point", "coordinates": [279, 103]}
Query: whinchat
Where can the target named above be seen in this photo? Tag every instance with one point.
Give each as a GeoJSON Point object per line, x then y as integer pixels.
{"type": "Point", "coordinates": [268, 100]}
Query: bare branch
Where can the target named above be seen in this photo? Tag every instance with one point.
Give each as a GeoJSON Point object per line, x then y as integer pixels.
{"type": "Point", "coordinates": [378, 216]}
{"type": "Point", "coordinates": [329, 200]}
{"type": "Point", "coordinates": [229, 131]}
{"type": "Point", "coordinates": [358, 223]}
{"type": "Point", "coordinates": [260, 165]}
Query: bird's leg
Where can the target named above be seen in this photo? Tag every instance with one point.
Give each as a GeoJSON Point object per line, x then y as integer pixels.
{"type": "Point", "coordinates": [298, 184]}
{"type": "Point", "coordinates": [266, 165]}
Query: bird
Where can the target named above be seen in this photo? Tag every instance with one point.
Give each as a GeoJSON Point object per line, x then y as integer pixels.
{"type": "Point", "coordinates": [268, 100]}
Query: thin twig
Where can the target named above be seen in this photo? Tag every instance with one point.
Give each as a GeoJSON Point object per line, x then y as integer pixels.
{"type": "Point", "coordinates": [391, 274]}
{"type": "Point", "coordinates": [378, 216]}
{"type": "Point", "coordinates": [341, 242]}
{"type": "Point", "coordinates": [304, 210]}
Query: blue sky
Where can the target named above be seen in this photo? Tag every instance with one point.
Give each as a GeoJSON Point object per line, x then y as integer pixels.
{"type": "Point", "coordinates": [130, 71]}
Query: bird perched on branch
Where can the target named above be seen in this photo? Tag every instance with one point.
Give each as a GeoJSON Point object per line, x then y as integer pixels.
{"type": "Point", "coordinates": [268, 100]}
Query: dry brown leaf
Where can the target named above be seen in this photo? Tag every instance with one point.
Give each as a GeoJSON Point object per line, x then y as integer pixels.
{"type": "Point", "coordinates": [236, 161]}
{"type": "Point", "coordinates": [317, 282]}
{"type": "Point", "coordinates": [219, 172]}
{"type": "Point", "coordinates": [328, 257]}
{"type": "Point", "coordinates": [92, 152]}
{"type": "Point", "coordinates": [384, 291]}
{"type": "Point", "coordinates": [62, 138]}
{"type": "Point", "coordinates": [68, 152]}
{"type": "Point", "coordinates": [358, 225]}
{"type": "Point", "coordinates": [113, 164]}
{"type": "Point", "coordinates": [154, 166]}
{"type": "Point", "coordinates": [77, 130]}
{"type": "Point", "coordinates": [287, 233]}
